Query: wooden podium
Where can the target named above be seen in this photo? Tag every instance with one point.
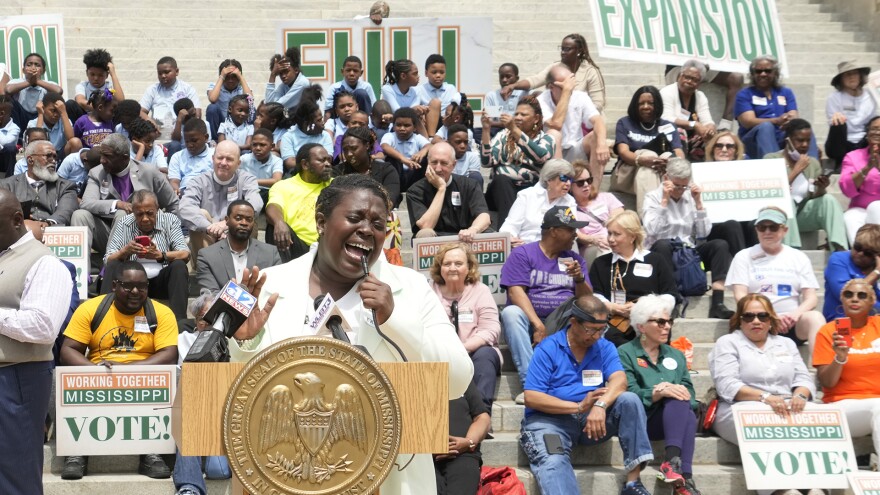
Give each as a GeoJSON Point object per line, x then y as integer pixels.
{"type": "Point", "coordinates": [421, 388]}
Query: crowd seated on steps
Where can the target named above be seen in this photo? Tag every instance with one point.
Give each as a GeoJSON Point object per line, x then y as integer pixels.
{"type": "Point", "coordinates": [198, 197]}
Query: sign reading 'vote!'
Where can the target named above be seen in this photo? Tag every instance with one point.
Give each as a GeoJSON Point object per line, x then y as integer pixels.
{"type": "Point", "coordinates": [124, 410]}
{"type": "Point", "coordinates": [812, 449]}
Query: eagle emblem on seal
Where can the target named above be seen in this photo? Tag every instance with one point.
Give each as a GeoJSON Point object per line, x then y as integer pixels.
{"type": "Point", "coordinates": [312, 426]}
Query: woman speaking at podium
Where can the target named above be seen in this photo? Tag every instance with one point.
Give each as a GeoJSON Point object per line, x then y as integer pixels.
{"type": "Point", "coordinates": [350, 216]}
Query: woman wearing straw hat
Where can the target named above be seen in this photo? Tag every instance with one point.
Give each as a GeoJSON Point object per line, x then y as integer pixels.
{"type": "Point", "coordinates": [848, 110]}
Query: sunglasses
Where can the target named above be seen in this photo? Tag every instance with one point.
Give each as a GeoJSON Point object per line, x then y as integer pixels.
{"type": "Point", "coordinates": [564, 178]}
{"type": "Point", "coordinates": [662, 322]}
{"type": "Point", "coordinates": [763, 71]}
{"type": "Point", "coordinates": [848, 294]}
{"type": "Point", "coordinates": [130, 286]}
{"type": "Point", "coordinates": [725, 146]}
{"type": "Point", "coordinates": [750, 317]}
{"type": "Point", "coordinates": [858, 246]}
{"type": "Point", "coordinates": [583, 182]}
{"type": "Point", "coordinates": [764, 227]}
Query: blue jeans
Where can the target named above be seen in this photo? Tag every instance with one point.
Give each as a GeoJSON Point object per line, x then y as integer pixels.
{"type": "Point", "coordinates": [518, 334]}
{"type": "Point", "coordinates": [188, 474]}
{"type": "Point", "coordinates": [625, 418]}
{"type": "Point", "coordinates": [761, 140]}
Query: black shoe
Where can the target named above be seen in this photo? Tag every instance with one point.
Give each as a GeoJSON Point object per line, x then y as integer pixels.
{"type": "Point", "coordinates": [75, 467]}
{"type": "Point", "coordinates": [720, 311]}
{"type": "Point", "coordinates": [153, 466]}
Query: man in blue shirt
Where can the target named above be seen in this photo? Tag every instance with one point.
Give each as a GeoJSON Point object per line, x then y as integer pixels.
{"type": "Point", "coordinates": [575, 392]}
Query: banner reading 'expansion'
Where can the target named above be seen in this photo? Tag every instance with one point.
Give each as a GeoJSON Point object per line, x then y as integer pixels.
{"type": "Point", "coordinates": [24, 34]}
{"type": "Point", "coordinates": [727, 34]}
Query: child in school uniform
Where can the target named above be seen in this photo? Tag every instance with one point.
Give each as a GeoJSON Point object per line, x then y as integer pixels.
{"type": "Point", "coordinates": [467, 161]}
{"type": "Point", "coordinates": [309, 128]}
{"type": "Point", "coordinates": [52, 116]}
{"type": "Point", "coordinates": [293, 82]}
{"type": "Point", "coordinates": [97, 124]}
{"type": "Point", "coordinates": [195, 159]}
{"type": "Point", "coordinates": [362, 91]}
{"type": "Point", "coordinates": [357, 119]}
{"type": "Point", "coordinates": [29, 89]}
{"type": "Point", "coordinates": [508, 74]}
{"type": "Point", "coordinates": [271, 116]}
{"type": "Point", "coordinates": [126, 112]}
{"type": "Point", "coordinates": [344, 107]}
{"type": "Point", "coordinates": [99, 66]}
{"type": "Point", "coordinates": [404, 148]}
{"type": "Point", "coordinates": [158, 100]}
{"type": "Point", "coordinates": [381, 118]}
{"type": "Point", "coordinates": [436, 86]}
{"type": "Point", "coordinates": [185, 111]}
{"type": "Point", "coordinates": [236, 127]}
{"type": "Point", "coordinates": [9, 133]}
{"type": "Point", "coordinates": [266, 166]}
{"type": "Point", "coordinates": [230, 83]}
{"type": "Point", "coordinates": [143, 144]}
{"type": "Point", "coordinates": [457, 114]}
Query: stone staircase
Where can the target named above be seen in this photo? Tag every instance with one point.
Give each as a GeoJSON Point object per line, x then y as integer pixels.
{"type": "Point", "coordinates": [200, 34]}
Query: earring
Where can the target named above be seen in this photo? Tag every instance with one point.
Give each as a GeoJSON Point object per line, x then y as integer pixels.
{"type": "Point", "coordinates": [643, 337]}
{"type": "Point", "coordinates": [535, 127]}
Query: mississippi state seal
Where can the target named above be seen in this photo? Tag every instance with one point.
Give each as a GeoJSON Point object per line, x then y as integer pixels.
{"type": "Point", "coordinates": [311, 415]}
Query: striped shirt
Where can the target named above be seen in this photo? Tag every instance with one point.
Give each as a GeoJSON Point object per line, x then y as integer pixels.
{"type": "Point", "coordinates": [166, 235]}
{"type": "Point", "coordinates": [526, 160]}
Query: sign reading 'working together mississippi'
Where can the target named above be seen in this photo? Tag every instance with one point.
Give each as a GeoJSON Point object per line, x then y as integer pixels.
{"type": "Point", "coordinates": [727, 34]}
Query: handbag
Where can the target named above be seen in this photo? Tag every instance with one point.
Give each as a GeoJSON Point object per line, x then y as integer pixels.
{"type": "Point", "coordinates": [500, 481]}
{"type": "Point", "coordinates": [623, 178]}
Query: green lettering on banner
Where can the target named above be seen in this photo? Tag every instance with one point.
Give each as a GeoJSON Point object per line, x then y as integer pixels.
{"type": "Point", "coordinates": [630, 29]}
{"type": "Point", "coordinates": [490, 258]}
{"type": "Point", "coordinates": [67, 251]}
{"type": "Point", "coordinates": [648, 13]}
{"type": "Point", "coordinates": [399, 44]}
{"type": "Point", "coordinates": [671, 34]}
{"type": "Point", "coordinates": [605, 11]}
{"type": "Point", "coordinates": [341, 49]}
{"type": "Point", "coordinates": [731, 45]}
{"type": "Point", "coordinates": [46, 45]}
{"type": "Point", "coordinates": [3, 49]}
{"type": "Point", "coordinates": [449, 38]}
{"type": "Point", "coordinates": [373, 65]}
{"type": "Point", "coordinates": [426, 263]}
{"type": "Point", "coordinates": [763, 21]}
{"type": "Point", "coordinates": [714, 41]}
{"type": "Point", "coordinates": [108, 431]}
{"type": "Point", "coordinates": [781, 466]}
{"type": "Point", "coordinates": [744, 29]}
{"type": "Point", "coordinates": [304, 40]}
{"type": "Point", "coordinates": [690, 22]}
{"type": "Point", "coordinates": [76, 429]}
{"type": "Point", "coordinates": [19, 47]}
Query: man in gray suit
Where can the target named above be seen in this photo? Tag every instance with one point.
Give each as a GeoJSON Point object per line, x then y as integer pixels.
{"type": "Point", "coordinates": [223, 261]}
{"type": "Point", "coordinates": [52, 199]}
{"type": "Point", "coordinates": [110, 186]}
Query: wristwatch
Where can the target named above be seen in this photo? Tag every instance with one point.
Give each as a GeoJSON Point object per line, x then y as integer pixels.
{"type": "Point", "coordinates": [164, 257]}
{"type": "Point", "coordinates": [601, 403]}
{"type": "Point", "coordinates": [692, 124]}
{"type": "Point", "coordinates": [764, 396]}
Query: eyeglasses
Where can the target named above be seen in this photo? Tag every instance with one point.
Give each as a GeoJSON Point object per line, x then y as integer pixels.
{"type": "Point", "coordinates": [130, 286]}
{"type": "Point", "coordinates": [690, 78]}
{"type": "Point", "coordinates": [848, 294]}
{"type": "Point", "coordinates": [565, 48]}
{"type": "Point", "coordinates": [874, 130]}
{"type": "Point", "coordinates": [678, 187]}
{"type": "Point", "coordinates": [763, 71]}
{"type": "Point", "coordinates": [590, 331]}
{"type": "Point", "coordinates": [583, 182]}
{"type": "Point", "coordinates": [48, 156]}
{"type": "Point", "coordinates": [858, 246]}
{"type": "Point", "coordinates": [750, 317]}
{"type": "Point", "coordinates": [564, 178]}
{"type": "Point", "coordinates": [764, 227]}
{"type": "Point", "coordinates": [726, 146]}
{"type": "Point", "coordinates": [662, 322]}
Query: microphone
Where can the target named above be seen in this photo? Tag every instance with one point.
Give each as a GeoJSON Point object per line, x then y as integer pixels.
{"type": "Point", "coordinates": [365, 266]}
{"type": "Point", "coordinates": [228, 311]}
{"type": "Point", "coordinates": [328, 315]}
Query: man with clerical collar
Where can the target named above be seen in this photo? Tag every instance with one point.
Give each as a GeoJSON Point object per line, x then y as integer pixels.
{"type": "Point", "coordinates": [52, 199]}
{"type": "Point", "coordinates": [204, 203]}
{"type": "Point", "coordinates": [443, 203]}
{"type": "Point", "coordinates": [223, 261]}
{"type": "Point", "coordinates": [109, 188]}
{"type": "Point", "coordinates": [33, 303]}
{"type": "Point", "coordinates": [153, 238]}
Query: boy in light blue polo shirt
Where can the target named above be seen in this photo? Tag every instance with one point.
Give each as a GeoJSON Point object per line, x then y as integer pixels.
{"type": "Point", "coordinates": [266, 166]}
{"type": "Point", "coordinates": [437, 88]}
{"type": "Point", "coordinates": [195, 160]}
{"type": "Point", "coordinates": [52, 116]}
{"type": "Point", "coordinates": [293, 82]}
{"type": "Point", "coordinates": [467, 162]}
{"type": "Point", "coordinates": [352, 70]}
{"type": "Point", "coordinates": [159, 98]}
{"type": "Point", "coordinates": [231, 82]}
{"type": "Point", "coordinates": [99, 66]}
{"type": "Point", "coordinates": [403, 146]}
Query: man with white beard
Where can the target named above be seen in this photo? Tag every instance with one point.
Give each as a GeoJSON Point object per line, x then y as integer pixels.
{"type": "Point", "coordinates": [52, 199]}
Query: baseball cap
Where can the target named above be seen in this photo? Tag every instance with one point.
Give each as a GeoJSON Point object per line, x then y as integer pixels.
{"type": "Point", "coordinates": [561, 216]}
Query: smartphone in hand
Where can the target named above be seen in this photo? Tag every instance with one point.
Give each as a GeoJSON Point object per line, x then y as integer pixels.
{"type": "Point", "coordinates": [843, 329]}
{"type": "Point", "coordinates": [143, 240]}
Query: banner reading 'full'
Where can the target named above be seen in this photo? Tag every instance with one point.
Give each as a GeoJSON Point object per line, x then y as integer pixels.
{"type": "Point", "coordinates": [727, 34]}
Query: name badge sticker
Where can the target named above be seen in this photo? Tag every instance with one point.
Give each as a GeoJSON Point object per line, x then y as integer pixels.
{"type": "Point", "coordinates": [232, 193]}
{"type": "Point", "coordinates": [456, 198]}
{"type": "Point", "coordinates": [759, 100]}
{"type": "Point", "coordinates": [600, 210]}
{"type": "Point", "coordinates": [466, 316]}
{"type": "Point", "coordinates": [562, 262]}
{"type": "Point", "coordinates": [667, 128]}
{"type": "Point", "coordinates": [781, 100]}
{"type": "Point", "coordinates": [141, 325]}
{"type": "Point", "coordinates": [618, 296]}
{"type": "Point", "coordinates": [591, 378]}
{"type": "Point", "coordinates": [670, 363]}
{"type": "Point", "coordinates": [643, 270]}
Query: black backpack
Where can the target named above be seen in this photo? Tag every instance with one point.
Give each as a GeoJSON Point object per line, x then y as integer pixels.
{"type": "Point", "coordinates": [149, 312]}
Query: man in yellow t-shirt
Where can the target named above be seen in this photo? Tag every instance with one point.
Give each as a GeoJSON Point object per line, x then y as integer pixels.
{"type": "Point", "coordinates": [123, 336]}
{"type": "Point", "coordinates": [291, 207]}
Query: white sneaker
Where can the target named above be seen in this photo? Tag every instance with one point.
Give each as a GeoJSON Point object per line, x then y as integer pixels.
{"type": "Point", "coordinates": [521, 398]}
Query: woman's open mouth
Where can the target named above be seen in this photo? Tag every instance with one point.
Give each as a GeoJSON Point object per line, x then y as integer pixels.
{"type": "Point", "coordinates": [357, 250]}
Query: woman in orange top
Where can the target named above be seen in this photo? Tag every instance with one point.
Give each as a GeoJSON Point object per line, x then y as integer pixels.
{"type": "Point", "coordinates": [847, 366]}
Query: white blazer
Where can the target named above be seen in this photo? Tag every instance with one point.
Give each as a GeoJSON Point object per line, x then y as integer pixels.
{"type": "Point", "coordinates": [418, 325]}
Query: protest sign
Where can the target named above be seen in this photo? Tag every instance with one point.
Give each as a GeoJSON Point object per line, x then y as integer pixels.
{"type": "Point", "coordinates": [864, 482]}
{"type": "Point", "coordinates": [726, 34]}
{"type": "Point", "coordinates": [118, 411]}
{"type": "Point", "coordinates": [24, 34]}
{"type": "Point", "coordinates": [737, 190]}
{"type": "Point", "coordinates": [811, 449]}
{"type": "Point", "coordinates": [325, 44]}
{"type": "Point", "coordinates": [71, 244]}
{"type": "Point", "coordinates": [491, 251]}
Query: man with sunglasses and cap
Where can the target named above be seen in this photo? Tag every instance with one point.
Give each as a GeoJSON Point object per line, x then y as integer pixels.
{"type": "Point", "coordinates": [781, 273]}
{"type": "Point", "coordinates": [863, 261]}
{"type": "Point", "coordinates": [539, 277]}
{"type": "Point", "coordinates": [575, 393]}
